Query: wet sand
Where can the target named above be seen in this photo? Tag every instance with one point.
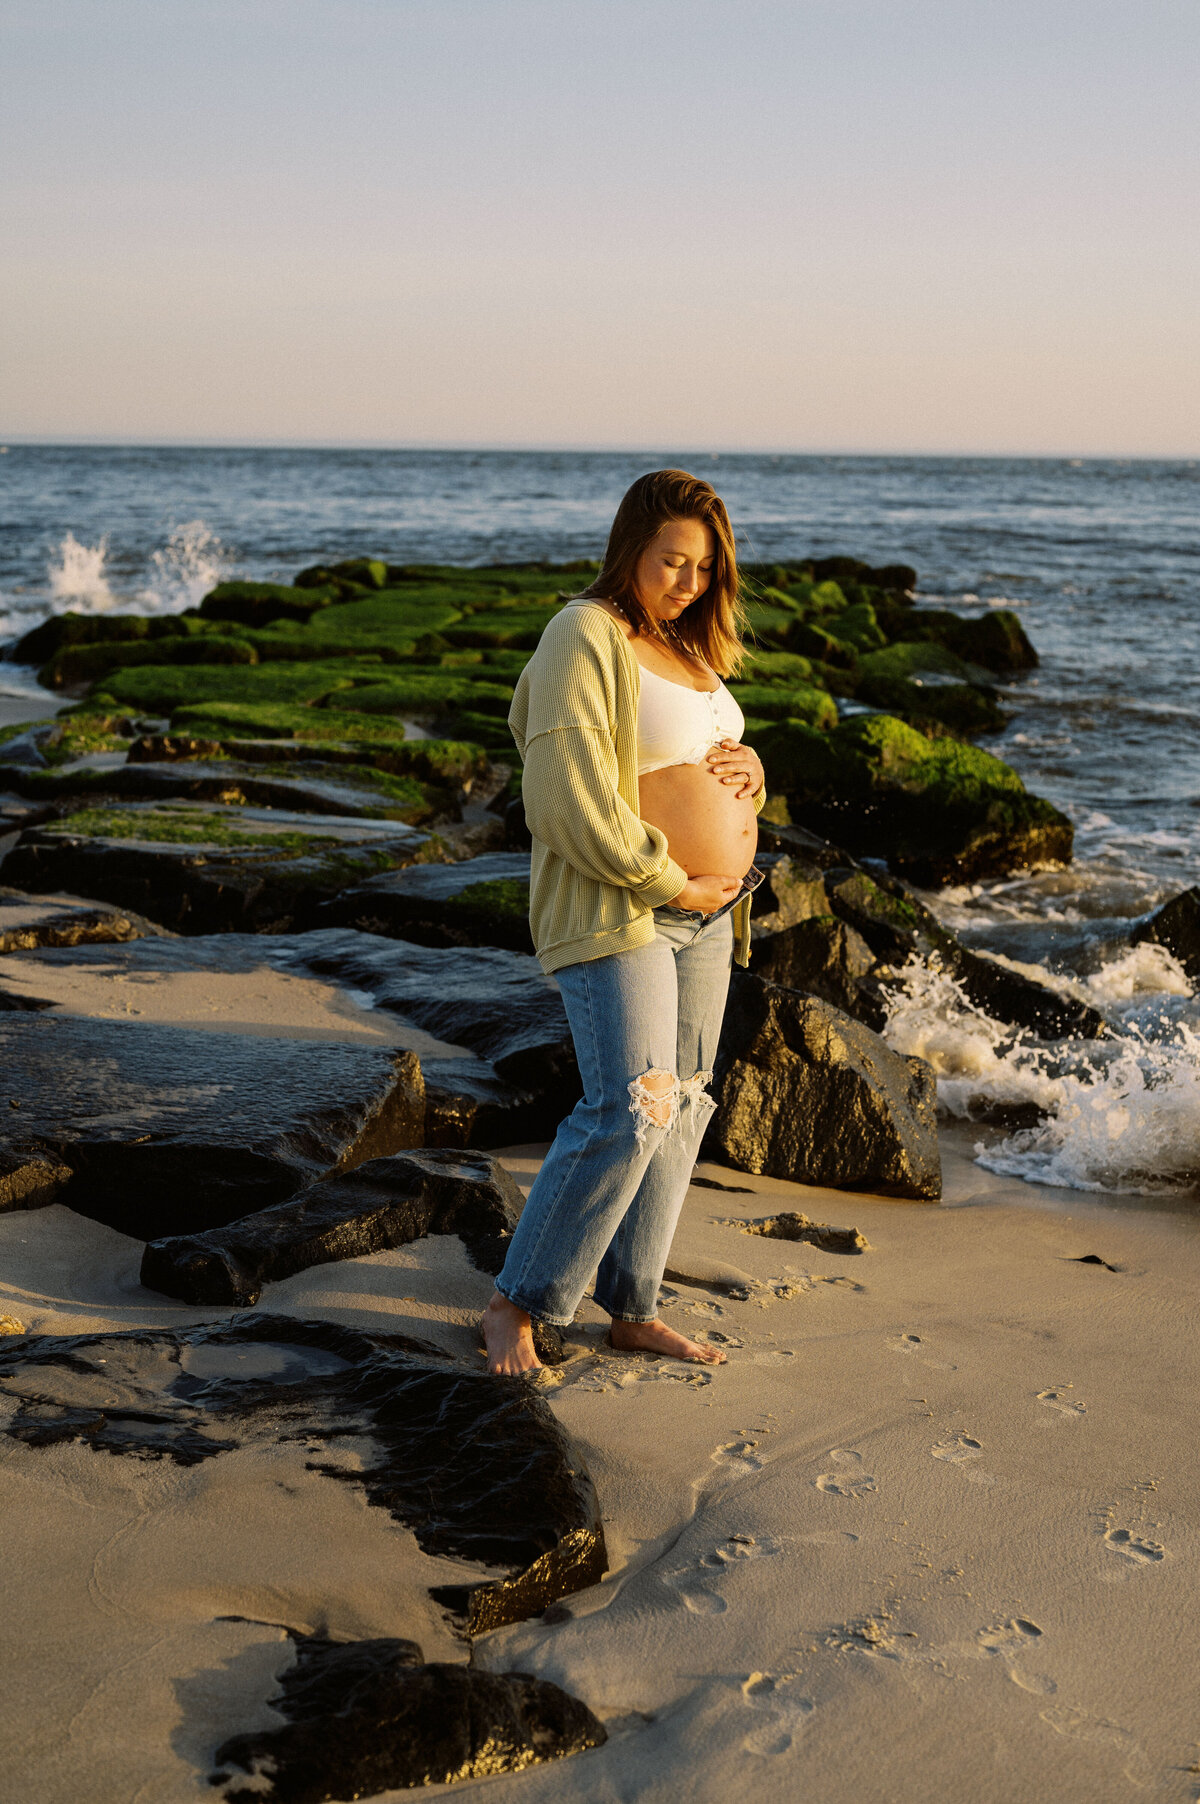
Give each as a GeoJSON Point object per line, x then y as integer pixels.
{"type": "Point", "coordinates": [929, 1535]}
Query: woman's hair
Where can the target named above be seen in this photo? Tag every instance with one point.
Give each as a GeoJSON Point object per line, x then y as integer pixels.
{"type": "Point", "coordinates": [711, 627]}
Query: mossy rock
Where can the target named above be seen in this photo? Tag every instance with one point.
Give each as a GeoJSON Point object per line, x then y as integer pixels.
{"type": "Point", "coordinates": [212, 871]}
{"type": "Point", "coordinates": [481, 902]}
{"type": "Point", "coordinates": [42, 642]}
{"type": "Point", "coordinates": [502, 628]}
{"type": "Point", "coordinates": [939, 811]}
{"type": "Point", "coordinates": [257, 604]}
{"type": "Point", "coordinates": [768, 621]}
{"type": "Point", "coordinates": [818, 644]}
{"type": "Point", "coordinates": [777, 701]}
{"type": "Point", "coordinates": [784, 667]}
{"type": "Point", "coordinates": [995, 640]}
{"type": "Point", "coordinates": [909, 658]}
{"type": "Point", "coordinates": [857, 626]}
{"type": "Point", "coordinates": [426, 693]}
{"type": "Point", "coordinates": [349, 739]}
{"type": "Point", "coordinates": [361, 572]}
{"type": "Point", "coordinates": [962, 710]}
{"type": "Point", "coordinates": [76, 665]}
{"type": "Point", "coordinates": [161, 688]}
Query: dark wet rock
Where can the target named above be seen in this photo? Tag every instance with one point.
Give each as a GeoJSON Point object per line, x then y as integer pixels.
{"type": "Point", "coordinates": [18, 1000]}
{"type": "Point", "coordinates": [791, 1226]}
{"type": "Point", "coordinates": [793, 890]}
{"type": "Point", "coordinates": [498, 1004]}
{"type": "Point", "coordinates": [1176, 925]}
{"type": "Point", "coordinates": [172, 1130]}
{"type": "Point", "coordinates": [30, 1180]}
{"type": "Point", "coordinates": [364, 1717]}
{"type": "Point", "coordinates": [476, 1466]}
{"type": "Point", "coordinates": [937, 810]}
{"type": "Point", "coordinates": [387, 1202]}
{"type": "Point", "coordinates": [468, 1103]}
{"type": "Point", "coordinates": [26, 924]}
{"type": "Point", "coordinates": [897, 927]}
{"type": "Point", "coordinates": [807, 1093]}
{"type": "Point", "coordinates": [961, 709]}
{"type": "Point", "coordinates": [480, 902]}
{"type": "Point", "coordinates": [823, 957]}
{"type": "Point", "coordinates": [24, 751]}
{"type": "Point", "coordinates": [201, 872]}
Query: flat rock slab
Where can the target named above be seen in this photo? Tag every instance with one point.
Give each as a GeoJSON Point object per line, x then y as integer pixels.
{"type": "Point", "coordinates": [310, 789]}
{"type": "Point", "coordinates": [1176, 925]}
{"type": "Point", "coordinates": [807, 1093]}
{"type": "Point", "coordinates": [27, 922]}
{"type": "Point", "coordinates": [364, 1717]}
{"type": "Point", "coordinates": [384, 1203]}
{"type": "Point", "coordinates": [220, 871]}
{"type": "Point", "coordinates": [476, 1466]}
{"type": "Point", "coordinates": [171, 1130]}
{"type": "Point", "coordinates": [480, 902]}
{"type": "Point", "coordinates": [506, 1075]}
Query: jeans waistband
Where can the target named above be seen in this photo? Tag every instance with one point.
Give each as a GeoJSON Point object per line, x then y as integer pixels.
{"type": "Point", "coordinates": [749, 884]}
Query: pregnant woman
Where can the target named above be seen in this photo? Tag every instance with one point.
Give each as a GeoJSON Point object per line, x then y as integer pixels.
{"type": "Point", "coordinates": [641, 801]}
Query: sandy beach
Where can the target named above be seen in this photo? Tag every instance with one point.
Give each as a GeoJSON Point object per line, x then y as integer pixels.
{"type": "Point", "coordinates": [927, 1535]}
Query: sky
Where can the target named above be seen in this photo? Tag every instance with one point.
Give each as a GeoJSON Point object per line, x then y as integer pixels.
{"type": "Point", "coordinates": [940, 226]}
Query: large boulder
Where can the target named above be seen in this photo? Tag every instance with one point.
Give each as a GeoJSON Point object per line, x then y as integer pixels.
{"type": "Point", "coordinates": [808, 1094]}
{"type": "Point", "coordinates": [203, 870]}
{"type": "Point", "coordinates": [384, 1203]}
{"type": "Point", "coordinates": [823, 957]}
{"type": "Point", "coordinates": [937, 810]}
{"type": "Point", "coordinates": [170, 1130]}
{"type": "Point", "coordinates": [1176, 925]}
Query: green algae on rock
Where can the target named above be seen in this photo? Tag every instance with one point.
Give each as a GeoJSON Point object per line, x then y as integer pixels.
{"type": "Point", "coordinates": [939, 811]}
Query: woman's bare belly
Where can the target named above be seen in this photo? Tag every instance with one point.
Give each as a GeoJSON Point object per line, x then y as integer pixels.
{"type": "Point", "coordinates": [709, 831]}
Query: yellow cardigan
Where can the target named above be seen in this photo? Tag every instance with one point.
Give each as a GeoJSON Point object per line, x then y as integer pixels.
{"type": "Point", "coordinates": [598, 870]}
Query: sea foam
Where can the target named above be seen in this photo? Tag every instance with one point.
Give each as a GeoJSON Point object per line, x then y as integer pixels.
{"type": "Point", "coordinates": [1121, 1114]}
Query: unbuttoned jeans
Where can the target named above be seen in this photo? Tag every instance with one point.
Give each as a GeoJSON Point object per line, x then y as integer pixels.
{"type": "Point", "coordinates": [612, 1185]}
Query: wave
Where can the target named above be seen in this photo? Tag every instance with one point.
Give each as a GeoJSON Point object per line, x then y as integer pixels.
{"type": "Point", "coordinates": [77, 581]}
{"type": "Point", "coordinates": [180, 573]}
{"type": "Point", "coordinates": [1119, 1115]}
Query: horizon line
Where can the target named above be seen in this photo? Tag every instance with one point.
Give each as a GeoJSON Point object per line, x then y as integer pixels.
{"type": "Point", "coordinates": [103, 442]}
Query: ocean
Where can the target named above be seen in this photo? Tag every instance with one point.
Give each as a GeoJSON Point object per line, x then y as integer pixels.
{"type": "Point", "coordinates": [1099, 557]}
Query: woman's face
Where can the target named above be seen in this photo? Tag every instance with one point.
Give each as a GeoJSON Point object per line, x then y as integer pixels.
{"type": "Point", "coordinates": [675, 568]}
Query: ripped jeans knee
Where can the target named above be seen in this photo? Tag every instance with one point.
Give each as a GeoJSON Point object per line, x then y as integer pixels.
{"type": "Point", "coordinates": [657, 1099]}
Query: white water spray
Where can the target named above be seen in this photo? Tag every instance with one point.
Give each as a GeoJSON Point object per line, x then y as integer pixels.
{"type": "Point", "coordinates": [1122, 1114]}
{"type": "Point", "coordinates": [77, 580]}
{"type": "Point", "coordinates": [192, 561]}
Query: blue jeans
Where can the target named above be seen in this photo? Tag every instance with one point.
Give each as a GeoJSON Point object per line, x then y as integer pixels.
{"type": "Point", "coordinates": [612, 1185]}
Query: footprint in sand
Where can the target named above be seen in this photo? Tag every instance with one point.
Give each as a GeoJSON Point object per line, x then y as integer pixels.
{"type": "Point", "coordinates": [694, 1585]}
{"type": "Point", "coordinates": [1069, 1719]}
{"type": "Point", "coordinates": [1064, 1405]}
{"type": "Point", "coordinates": [961, 1448]}
{"type": "Point", "coordinates": [1143, 1552]}
{"type": "Point", "coordinates": [786, 1709]}
{"type": "Point", "coordinates": [1008, 1640]}
{"type": "Point", "coordinates": [740, 1456]}
{"type": "Point", "coordinates": [847, 1478]}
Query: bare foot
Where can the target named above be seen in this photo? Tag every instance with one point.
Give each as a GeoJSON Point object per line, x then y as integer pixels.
{"type": "Point", "coordinates": [656, 1337]}
{"type": "Point", "coordinates": [508, 1333]}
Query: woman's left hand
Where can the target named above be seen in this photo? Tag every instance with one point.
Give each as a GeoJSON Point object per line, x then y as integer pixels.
{"type": "Point", "coordinates": [730, 762]}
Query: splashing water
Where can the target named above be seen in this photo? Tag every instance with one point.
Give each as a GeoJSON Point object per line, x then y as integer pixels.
{"type": "Point", "coordinates": [77, 580]}
{"type": "Point", "coordinates": [185, 569]}
{"type": "Point", "coordinates": [1121, 1114]}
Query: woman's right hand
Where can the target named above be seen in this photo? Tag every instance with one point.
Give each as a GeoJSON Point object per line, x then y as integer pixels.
{"type": "Point", "coordinates": [707, 894]}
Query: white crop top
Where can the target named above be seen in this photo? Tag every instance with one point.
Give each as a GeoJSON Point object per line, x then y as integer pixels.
{"type": "Point", "coordinates": [678, 725]}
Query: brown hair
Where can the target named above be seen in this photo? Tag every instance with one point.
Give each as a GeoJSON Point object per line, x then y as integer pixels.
{"type": "Point", "coordinates": [711, 628]}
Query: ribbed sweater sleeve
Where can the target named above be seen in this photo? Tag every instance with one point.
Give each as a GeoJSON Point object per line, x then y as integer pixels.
{"type": "Point", "coordinates": [564, 720]}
